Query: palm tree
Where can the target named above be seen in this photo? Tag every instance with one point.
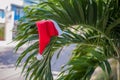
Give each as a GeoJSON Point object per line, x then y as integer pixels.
{"type": "Point", "coordinates": [93, 25]}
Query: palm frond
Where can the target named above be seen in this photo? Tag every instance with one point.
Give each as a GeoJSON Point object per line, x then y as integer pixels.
{"type": "Point", "coordinates": [93, 25]}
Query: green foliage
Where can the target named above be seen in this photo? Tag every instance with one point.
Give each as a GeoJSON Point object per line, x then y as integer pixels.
{"type": "Point", "coordinates": [93, 25]}
{"type": "Point", "coordinates": [2, 32]}
{"type": "Point", "coordinates": [82, 65]}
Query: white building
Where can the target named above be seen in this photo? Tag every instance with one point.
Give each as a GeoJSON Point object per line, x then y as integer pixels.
{"type": "Point", "coordinates": [10, 12]}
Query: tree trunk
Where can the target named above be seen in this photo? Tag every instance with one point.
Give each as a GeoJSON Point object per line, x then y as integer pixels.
{"type": "Point", "coordinates": [118, 69]}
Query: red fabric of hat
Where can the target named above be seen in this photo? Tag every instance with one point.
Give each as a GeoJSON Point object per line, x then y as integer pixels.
{"type": "Point", "coordinates": [46, 30]}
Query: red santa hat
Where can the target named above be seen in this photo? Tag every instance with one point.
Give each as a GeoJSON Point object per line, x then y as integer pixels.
{"type": "Point", "coordinates": [46, 30]}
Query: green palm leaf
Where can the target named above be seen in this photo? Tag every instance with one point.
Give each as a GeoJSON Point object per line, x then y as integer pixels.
{"type": "Point", "coordinates": [93, 25]}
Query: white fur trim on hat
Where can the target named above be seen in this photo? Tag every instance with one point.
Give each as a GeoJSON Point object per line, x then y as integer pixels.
{"type": "Point", "coordinates": [57, 27]}
{"type": "Point", "coordinates": [39, 57]}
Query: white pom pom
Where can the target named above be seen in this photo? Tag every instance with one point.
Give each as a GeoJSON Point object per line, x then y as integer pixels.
{"type": "Point", "coordinates": [39, 57]}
